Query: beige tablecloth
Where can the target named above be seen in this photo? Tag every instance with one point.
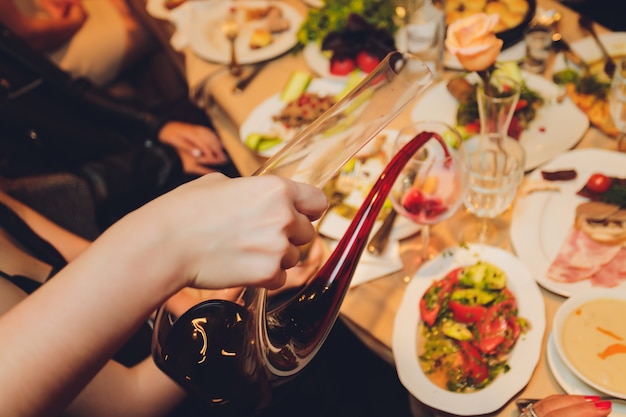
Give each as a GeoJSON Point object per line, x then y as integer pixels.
{"type": "Point", "coordinates": [369, 309]}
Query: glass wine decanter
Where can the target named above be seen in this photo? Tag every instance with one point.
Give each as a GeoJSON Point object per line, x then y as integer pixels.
{"type": "Point", "coordinates": [231, 354]}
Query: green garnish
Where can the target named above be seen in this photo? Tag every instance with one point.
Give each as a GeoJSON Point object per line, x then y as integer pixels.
{"type": "Point", "coordinates": [334, 16]}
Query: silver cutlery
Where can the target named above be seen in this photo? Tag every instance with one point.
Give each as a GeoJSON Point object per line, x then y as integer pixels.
{"type": "Point", "coordinates": [245, 81]}
{"type": "Point", "coordinates": [378, 243]}
{"type": "Point", "coordinates": [587, 24]}
{"type": "Point", "coordinates": [230, 27]}
{"type": "Point", "coordinates": [560, 45]}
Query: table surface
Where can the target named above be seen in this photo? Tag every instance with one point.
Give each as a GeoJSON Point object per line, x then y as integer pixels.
{"type": "Point", "coordinates": [368, 309]}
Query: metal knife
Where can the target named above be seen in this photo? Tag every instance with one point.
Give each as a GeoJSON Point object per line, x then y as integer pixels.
{"type": "Point", "coordinates": [245, 81]}
{"type": "Point", "coordinates": [377, 245]}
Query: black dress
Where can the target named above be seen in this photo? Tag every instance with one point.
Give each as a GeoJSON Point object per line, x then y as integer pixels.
{"type": "Point", "coordinates": [51, 123]}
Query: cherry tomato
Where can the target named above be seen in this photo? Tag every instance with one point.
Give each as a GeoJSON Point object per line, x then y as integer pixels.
{"type": "Point", "coordinates": [521, 104]}
{"type": "Point", "coordinates": [598, 183]}
{"type": "Point", "coordinates": [436, 295]}
{"type": "Point", "coordinates": [494, 331]}
{"type": "Point", "coordinates": [341, 65]}
{"type": "Point", "coordinates": [466, 314]}
{"type": "Point", "coordinates": [366, 61]}
{"type": "Point", "coordinates": [473, 127]}
{"type": "Point", "coordinates": [474, 365]}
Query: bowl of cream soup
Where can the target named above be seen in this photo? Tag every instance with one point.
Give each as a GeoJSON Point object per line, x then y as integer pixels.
{"type": "Point", "coordinates": [590, 337]}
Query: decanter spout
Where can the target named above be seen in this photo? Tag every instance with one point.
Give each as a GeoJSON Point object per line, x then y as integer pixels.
{"type": "Point", "coordinates": [294, 331]}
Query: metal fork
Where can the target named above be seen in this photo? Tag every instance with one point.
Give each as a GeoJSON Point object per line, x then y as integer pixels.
{"type": "Point", "coordinates": [230, 27]}
{"type": "Point", "coordinates": [587, 24]}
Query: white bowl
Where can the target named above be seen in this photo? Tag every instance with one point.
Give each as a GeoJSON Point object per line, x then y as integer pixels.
{"type": "Point", "coordinates": [588, 325]}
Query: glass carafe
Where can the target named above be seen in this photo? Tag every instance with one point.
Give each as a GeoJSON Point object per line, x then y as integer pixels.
{"type": "Point", "coordinates": [230, 354]}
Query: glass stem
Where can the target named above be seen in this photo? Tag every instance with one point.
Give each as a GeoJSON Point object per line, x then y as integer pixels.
{"type": "Point", "coordinates": [425, 235]}
{"type": "Point", "coordinates": [483, 229]}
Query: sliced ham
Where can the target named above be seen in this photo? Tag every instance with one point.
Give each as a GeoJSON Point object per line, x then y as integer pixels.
{"type": "Point", "coordinates": [580, 257]}
{"type": "Point", "coordinates": [613, 273]}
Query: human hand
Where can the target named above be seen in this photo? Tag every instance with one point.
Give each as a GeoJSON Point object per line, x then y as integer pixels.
{"type": "Point", "coordinates": [197, 146]}
{"type": "Point", "coordinates": [216, 232]}
{"type": "Point", "coordinates": [569, 406]}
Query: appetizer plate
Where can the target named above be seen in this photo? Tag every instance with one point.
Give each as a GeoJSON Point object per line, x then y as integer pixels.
{"type": "Point", "coordinates": [209, 42]}
{"type": "Point", "coordinates": [596, 330]}
{"type": "Point", "coordinates": [586, 48]}
{"type": "Point", "coordinates": [522, 360]}
{"type": "Point", "coordinates": [260, 119]}
{"type": "Point", "coordinates": [371, 165]}
{"type": "Point", "coordinates": [570, 383]}
{"type": "Point", "coordinates": [556, 128]}
{"type": "Point", "coordinates": [541, 220]}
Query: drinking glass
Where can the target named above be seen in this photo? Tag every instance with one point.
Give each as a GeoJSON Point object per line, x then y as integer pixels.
{"type": "Point", "coordinates": [432, 184]}
{"type": "Point", "coordinates": [495, 161]}
{"type": "Point", "coordinates": [617, 102]}
{"type": "Point", "coordinates": [231, 354]}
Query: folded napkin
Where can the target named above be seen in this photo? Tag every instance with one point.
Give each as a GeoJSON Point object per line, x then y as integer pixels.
{"type": "Point", "coordinates": [371, 267]}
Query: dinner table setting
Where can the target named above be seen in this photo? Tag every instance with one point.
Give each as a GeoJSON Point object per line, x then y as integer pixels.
{"type": "Point", "coordinates": [247, 61]}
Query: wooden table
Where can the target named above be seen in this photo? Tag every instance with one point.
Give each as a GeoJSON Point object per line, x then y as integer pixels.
{"type": "Point", "coordinates": [368, 309]}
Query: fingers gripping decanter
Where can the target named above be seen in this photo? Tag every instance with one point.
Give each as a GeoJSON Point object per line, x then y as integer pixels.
{"type": "Point", "coordinates": [230, 355]}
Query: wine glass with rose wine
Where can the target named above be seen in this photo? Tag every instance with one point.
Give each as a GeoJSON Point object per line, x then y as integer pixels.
{"type": "Point", "coordinates": [432, 185]}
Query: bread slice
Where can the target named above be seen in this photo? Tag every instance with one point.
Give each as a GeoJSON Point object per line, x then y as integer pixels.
{"type": "Point", "coordinates": [260, 38]}
{"type": "Point", "coordinates": [605, 223]}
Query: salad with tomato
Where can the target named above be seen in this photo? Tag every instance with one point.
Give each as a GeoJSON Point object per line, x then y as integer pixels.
{"type": "Point", "coordinates": [469, 325]}
{"type": "Point", "coordinates": [605, 188]}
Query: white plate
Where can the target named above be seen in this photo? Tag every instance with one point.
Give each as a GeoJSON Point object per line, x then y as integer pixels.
{"type": "Point", "coordinates": [570, 382]}
{"type": "Point", "coordinates": [556, 128]}
{"type": "Point", "coordinates": [541, 220]}
{"type": "Point", "coordinates": [156, 8]}
{"type": "Point", "coordinates": [260, 119]}
{"type": "Point", "coordinates": [208, 41]}
{"type": "Point", "coordinates": [334, 225]}
{"type": "Point", "coordinates": [586, 48]}
{"type": "Point", "coordinates": [571, 306]}
{"type": "Point", "coordinates": [522, 360]}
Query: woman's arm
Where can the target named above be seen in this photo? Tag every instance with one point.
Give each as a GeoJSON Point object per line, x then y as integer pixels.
{"type": "Point", "coordinates": [140, 391]}
{"type": "Point", "coordinates": [211, 233]}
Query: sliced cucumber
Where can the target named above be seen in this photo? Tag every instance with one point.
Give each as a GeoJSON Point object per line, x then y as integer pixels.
{"type": "Point", "coordinates": [511, 69]}
{"type": "Point", "coordinates": [259, 142]}
{"type": "Point", "coordinates": [296, 85]}
{"type": "Point", "coordinates": [354, 79]}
